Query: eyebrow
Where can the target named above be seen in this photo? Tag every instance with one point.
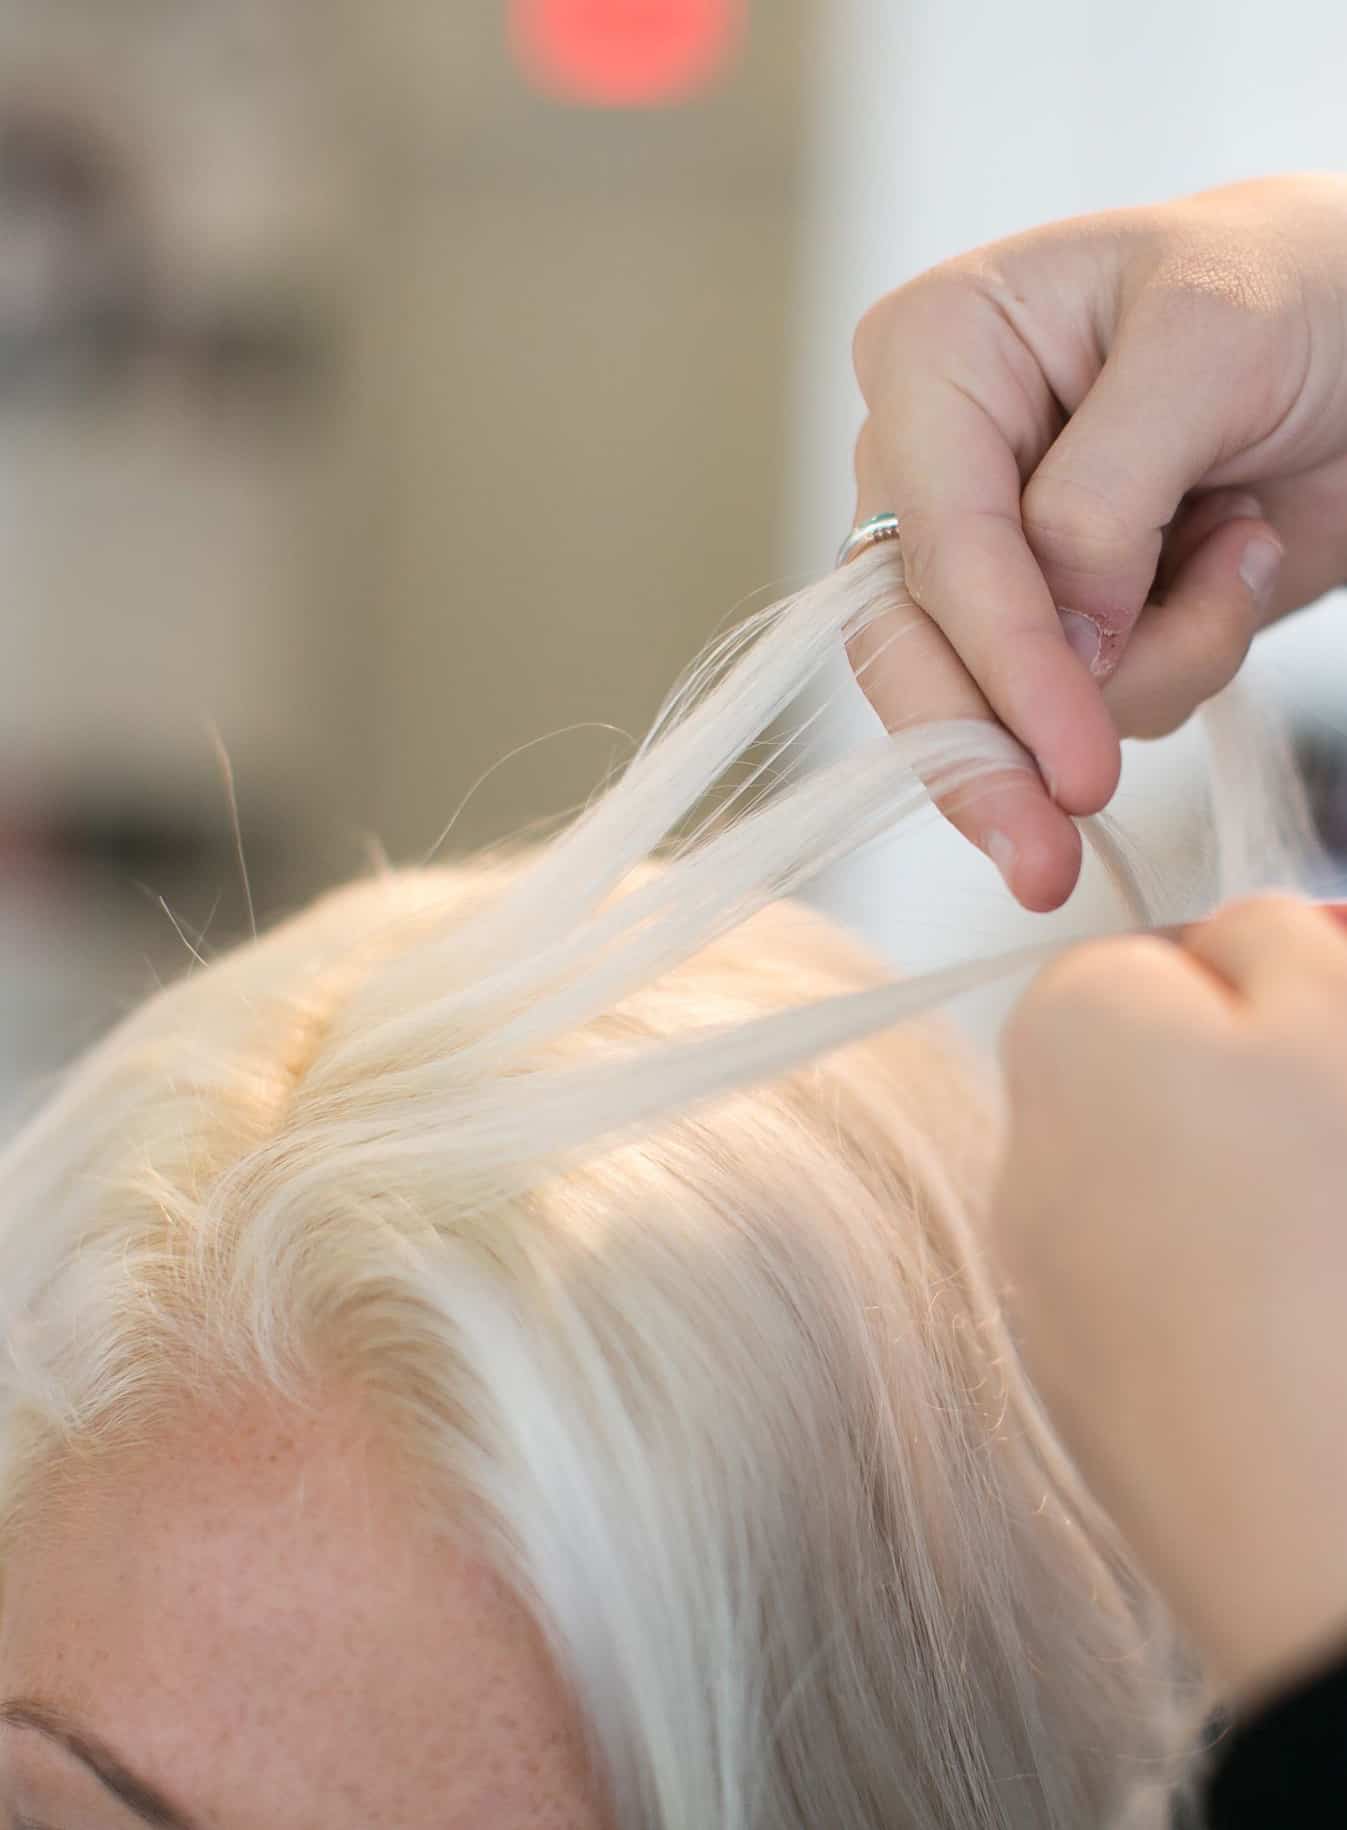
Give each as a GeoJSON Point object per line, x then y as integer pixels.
{"type": "Point", "coordinates": [138, 1795]}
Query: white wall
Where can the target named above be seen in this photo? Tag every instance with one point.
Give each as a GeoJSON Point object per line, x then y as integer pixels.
{"type": "Point", "coordinates": [942, 125]}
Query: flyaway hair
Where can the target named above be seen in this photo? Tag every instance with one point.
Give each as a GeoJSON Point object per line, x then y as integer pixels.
{"type": "Point", "coordinates": [644, 1217]}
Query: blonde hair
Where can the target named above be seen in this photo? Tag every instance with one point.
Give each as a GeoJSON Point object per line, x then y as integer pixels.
{"type": "Point", "coordinates": [685, 1324]}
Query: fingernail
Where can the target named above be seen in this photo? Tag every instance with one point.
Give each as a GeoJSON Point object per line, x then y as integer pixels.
{"type": "Point", "coordinates": [1084, 636]}
{"type": "Point", "coordinates": [1243, 508]}
{"type": "Point", "coordinates": [1001, 852]}
{"type": "Point", "coordinates": [1259, 567]}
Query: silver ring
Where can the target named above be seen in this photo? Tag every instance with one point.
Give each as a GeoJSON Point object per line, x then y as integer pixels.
{"type": "Point", "coordinates": [869, 533]}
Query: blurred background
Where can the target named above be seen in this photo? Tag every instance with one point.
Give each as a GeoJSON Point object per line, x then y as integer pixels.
{"type": "Point", "coordinates": [394, 398]}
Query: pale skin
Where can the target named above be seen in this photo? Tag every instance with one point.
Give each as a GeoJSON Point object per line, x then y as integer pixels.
{"type": "Point", "coordinates": [1171, 1221]}
{"type": "Point", "coordinates": [253, 1622]}
{"type": "Point", "coordinates": [1139, 418]}
{"type": "Point", "coordinates": [1118, 448]}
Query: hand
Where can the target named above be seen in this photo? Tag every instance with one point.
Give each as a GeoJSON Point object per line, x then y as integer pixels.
{"type": "Point", "coordinates": [1173, 1224]}
{"type": "Point", "coordinates": [1130, 418]}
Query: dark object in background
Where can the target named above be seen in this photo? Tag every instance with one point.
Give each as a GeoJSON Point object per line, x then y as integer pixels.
{"type": "Point", "coordinates": [85, 295]}
{"type": "Point", "coordinates": [102, 901]}
{"type": "Point", "coordinates": [1321, 753]}
{"type": "Point", "coordinates": [120, 852]}
{"type": "Point", "coordinates": [75, 280]}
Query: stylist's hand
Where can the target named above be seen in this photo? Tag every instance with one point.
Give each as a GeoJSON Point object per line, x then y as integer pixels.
{"type": "Point", "coordinates": [1173, 1226]}
{"type": "Point", "coordinates": [1131, 418]}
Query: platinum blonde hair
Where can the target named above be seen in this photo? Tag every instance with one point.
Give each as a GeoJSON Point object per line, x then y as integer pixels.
{"type": "Point", "coordinates": [605, 1177]}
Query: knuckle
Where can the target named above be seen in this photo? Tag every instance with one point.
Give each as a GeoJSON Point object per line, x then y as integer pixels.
{"type": "Point", "coordinates": [1292, 955]}
{"type": "Point", "coordinates": [1091, 974]}
{"type": "Point", "coordinates": [872, 337]}
{"type": "Point", "coordinates": [1078, 983]}
{"type": "Point", "coordinates": [1088, 984]}
{"type": "Point", "coordinates": [1265, 915]}
{"type": "Point", "coordinates": [1068, 515]}
{"type": "Point", "coordinates": [921, 312]}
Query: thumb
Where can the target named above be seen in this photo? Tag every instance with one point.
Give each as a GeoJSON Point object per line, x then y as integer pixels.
{"type": "Point", "coordinates": [1154, 423]}
{"type": "Point", "coordinates": [1186, 648]}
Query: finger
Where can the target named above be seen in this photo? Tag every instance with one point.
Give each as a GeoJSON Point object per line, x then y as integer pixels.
{"type": "Point", "coordinates": [1199, 516]}
{"type": "Point", "coordinates": [966, 411]}
{"type": "Point", "coordinates": [1306, 511]}
{"type": "Point", "coordinates": [1156, 420]}
{"type": "Point", "coordinates": [1187, 647]}
{"type": "Point", "coordinates": [1011, 817]}
{"type": "Point", "coordinates": [1076, 1026]}
{"type": "Point", "coordinates": [1268, 944]}
{"type": "Point", "coordinates": [952, 479]}
{"type": "Point", "coordinates": [911, 674]}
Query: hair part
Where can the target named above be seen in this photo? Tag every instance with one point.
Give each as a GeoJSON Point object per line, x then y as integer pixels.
{"type": "Point", "coordinates": [603, 1175]}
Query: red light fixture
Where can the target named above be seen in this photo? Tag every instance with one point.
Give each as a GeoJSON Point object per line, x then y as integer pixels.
{"type": "Point", "coordinates": [625, 53]}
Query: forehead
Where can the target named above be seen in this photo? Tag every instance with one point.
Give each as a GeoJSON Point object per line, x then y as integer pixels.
{"type": "Point", "coordinates": [256, 1620]}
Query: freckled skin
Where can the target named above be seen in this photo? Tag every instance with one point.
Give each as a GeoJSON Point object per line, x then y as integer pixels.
{"type": "Point", "coordinates": [256, 1620]}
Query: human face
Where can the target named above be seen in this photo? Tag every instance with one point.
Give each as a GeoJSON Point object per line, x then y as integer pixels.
{"type": "Point", "coordinates": [250, 1628]}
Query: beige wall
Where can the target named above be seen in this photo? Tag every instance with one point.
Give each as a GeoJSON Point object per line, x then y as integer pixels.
{"type": "Point", "coordinates": [552, 467]}
{"type": "Point", "coordinates": [541, 460]}
{"type": "Point", "coordinates": [575, 347]}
